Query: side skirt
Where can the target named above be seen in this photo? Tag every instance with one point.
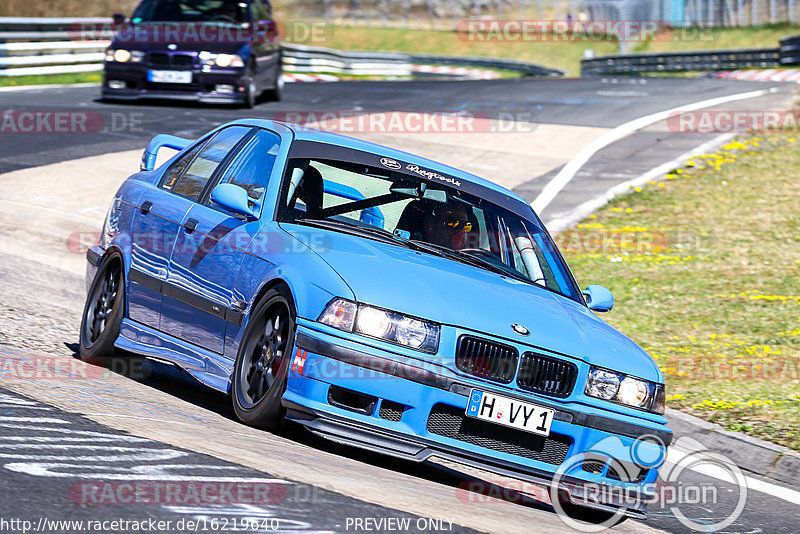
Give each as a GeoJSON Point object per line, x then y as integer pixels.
{"type": "Point", "coordinates": [209, 368]}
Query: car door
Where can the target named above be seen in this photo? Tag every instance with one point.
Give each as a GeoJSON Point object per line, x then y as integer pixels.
{"type": "Point", "coordinates": [162, 211]}
{"type": "Point", "coordinates": [199, 300]}
{"type": "Point", "coordinates": [153, 230]}
{"type": "Point", "coordinates": [266, 43]}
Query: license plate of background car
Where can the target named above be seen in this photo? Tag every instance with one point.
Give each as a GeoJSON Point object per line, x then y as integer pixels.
{"type": "Point", "coordinates": [509, 412]}
{"type": "Point", "coordinates": [169, 76]}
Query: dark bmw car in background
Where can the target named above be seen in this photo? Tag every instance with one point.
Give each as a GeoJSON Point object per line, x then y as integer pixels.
{"type": "Point", "coordinates": [217, 51]}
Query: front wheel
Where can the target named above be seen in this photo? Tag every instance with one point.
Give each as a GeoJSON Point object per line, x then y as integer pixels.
{"type": "Point", "coordinates": [262, 364]}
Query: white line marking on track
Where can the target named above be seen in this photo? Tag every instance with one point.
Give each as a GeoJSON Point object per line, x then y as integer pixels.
{"type": "Point", "coordinates": [8, 399]}
{"type": "Point", "coordinates": [4, 405]}
{"type": "Point", "coordinates": [99, 438]}
{"type": "Point", "coordinates": [140, 472]}
{"type": "Point", "coordinates": [5, 419]}
{"type": "Point", "coordinates": [572, 167]}
{"type": "Point", "coordinates": [676, 455]}
{"type": "Point", "coordinates": [562, 221]}
{"type": "Point", "coordinates": [53, 86]}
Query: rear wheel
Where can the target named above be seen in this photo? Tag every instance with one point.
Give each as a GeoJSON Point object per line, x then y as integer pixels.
{"type": "Point", "coordinates": [259, 376]}
{"type": "Point", "coordinates": [102, 314]}
{"type": "Point", "coordinates": [276, 93]}
{"type": "Point", "coordinates": [251, 93]}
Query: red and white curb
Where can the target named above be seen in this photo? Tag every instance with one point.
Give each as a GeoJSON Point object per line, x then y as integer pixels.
{"type": "Point", "coordinates": [755, 75]}
{"type": "Point", "coordinates": [461, 72]}
{"type": "Point", "coordinates": [455, 72]}
{"type": "Point", "coordinates": [291, 77]}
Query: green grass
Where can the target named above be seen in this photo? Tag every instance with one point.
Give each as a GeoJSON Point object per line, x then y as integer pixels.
{"type": "Point", "coordinates": [88, 77]}
{"type": "Point", "coordinates": [766, 36]}
{"type": "Point", "coordinates": [564, 56]}
{"type": "Point", "coordinates": [705, 267]}
{"type": "Point", "coordinates": [560, 55]}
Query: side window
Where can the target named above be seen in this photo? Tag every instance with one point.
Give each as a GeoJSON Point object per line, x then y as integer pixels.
{"type": "Point", "coordinates": [253, 164]}
{"type": "Point", "coordinates": [171, 178]}
{"type": "Point", "coordinates": [200, 163]}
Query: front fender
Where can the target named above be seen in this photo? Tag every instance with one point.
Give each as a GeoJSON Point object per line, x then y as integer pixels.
{"type": "Point", "coordinates": [312, 282]}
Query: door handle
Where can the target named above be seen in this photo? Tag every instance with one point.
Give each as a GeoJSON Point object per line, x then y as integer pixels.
{"type": "Point", "coordinates": [190, 225]}
{"type": "Point", "coordinates": [146, 205]}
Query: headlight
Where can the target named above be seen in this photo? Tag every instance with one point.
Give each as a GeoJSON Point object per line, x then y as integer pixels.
{"type": "Point", "coordinates": [220, 60]}
{"type": "Point", "coordinates": [659, 399]}
{"type": "Point", "coordinates": [121, 55]}
{"type": "Point", "coordinates": [381, 324]}
{"type": "Point", "coordinates": [602, 384]}
{"type": "Point", "coordinates": [618, 387]}
{"type": "Point", "coordinates": [373, 322]}
{"type": "Point", "coordinates": [339, 313]}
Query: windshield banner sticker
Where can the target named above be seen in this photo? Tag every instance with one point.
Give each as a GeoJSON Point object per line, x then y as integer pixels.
{"type": "Point", "coordinates": [432, 175]}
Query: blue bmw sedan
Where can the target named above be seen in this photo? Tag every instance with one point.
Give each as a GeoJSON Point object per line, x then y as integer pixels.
{"type": "Point", "coordinates": [380, 299]}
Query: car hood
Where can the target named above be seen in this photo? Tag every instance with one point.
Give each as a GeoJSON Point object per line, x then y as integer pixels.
{"type": "Point", "coordinates": [456, 294]}
{"type": "Point", "coordinates": [187, 36]}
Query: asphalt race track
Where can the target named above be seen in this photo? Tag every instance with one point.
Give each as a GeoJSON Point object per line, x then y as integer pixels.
{"type": "Point", "coordinates": [66, 440]}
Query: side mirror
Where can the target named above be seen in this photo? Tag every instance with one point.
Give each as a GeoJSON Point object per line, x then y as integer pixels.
{"type": "Point", "coordinates": [598, 298]}
{"type": "Point", "coordinates": [118, 18]}
{"type": "Point", "coordinates": [234, 199]}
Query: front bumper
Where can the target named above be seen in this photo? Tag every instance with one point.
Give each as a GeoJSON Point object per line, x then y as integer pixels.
{"type": "Point", "coordinates": [201, 89]}
{"type": "Point", "coordinates": [417, 413]}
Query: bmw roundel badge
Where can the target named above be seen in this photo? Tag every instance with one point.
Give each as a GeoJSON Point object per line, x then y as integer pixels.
{"type": "Point", "coordinates": [519, 329]}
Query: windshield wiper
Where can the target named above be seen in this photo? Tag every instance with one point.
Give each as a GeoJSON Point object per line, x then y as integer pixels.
{"type": "Point", "coordinates": [423, 246]}
{"type": "Point", "coordinates": [476, 261]}
{"type": "Point", "coordinates": [382, 233]}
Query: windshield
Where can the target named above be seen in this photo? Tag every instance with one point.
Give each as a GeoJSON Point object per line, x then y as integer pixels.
{"type": "Point", "coordinates": [430, 217]}
{"type": "Point", "coordinates": [191, 11]}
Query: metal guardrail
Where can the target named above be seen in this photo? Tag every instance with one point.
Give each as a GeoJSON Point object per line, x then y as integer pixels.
{"type": "Point", "coordinates": [682, 61]}
{"type": "Point", "coordinates": [790, 50]}
{"type": "Point", "coordinates": [49, 46]}
{"type": "Point", "coordinates": [524, 68]}
{"type": "Point", "coordinates": [302, 58]}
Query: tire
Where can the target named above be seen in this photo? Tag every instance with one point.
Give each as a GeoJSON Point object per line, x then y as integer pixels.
{"type": "Point", "coordinates": [251, 92]}
{"type": "Point", "coordinates": [102, 313]}
{"type": "Point", "coordinates": [262, 364]}
{"type": "Point", "coordinates": [276, 93]}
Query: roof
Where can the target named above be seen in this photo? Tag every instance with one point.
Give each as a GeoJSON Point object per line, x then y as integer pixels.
{"type": "Point", "coordinates": [304, 133]}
